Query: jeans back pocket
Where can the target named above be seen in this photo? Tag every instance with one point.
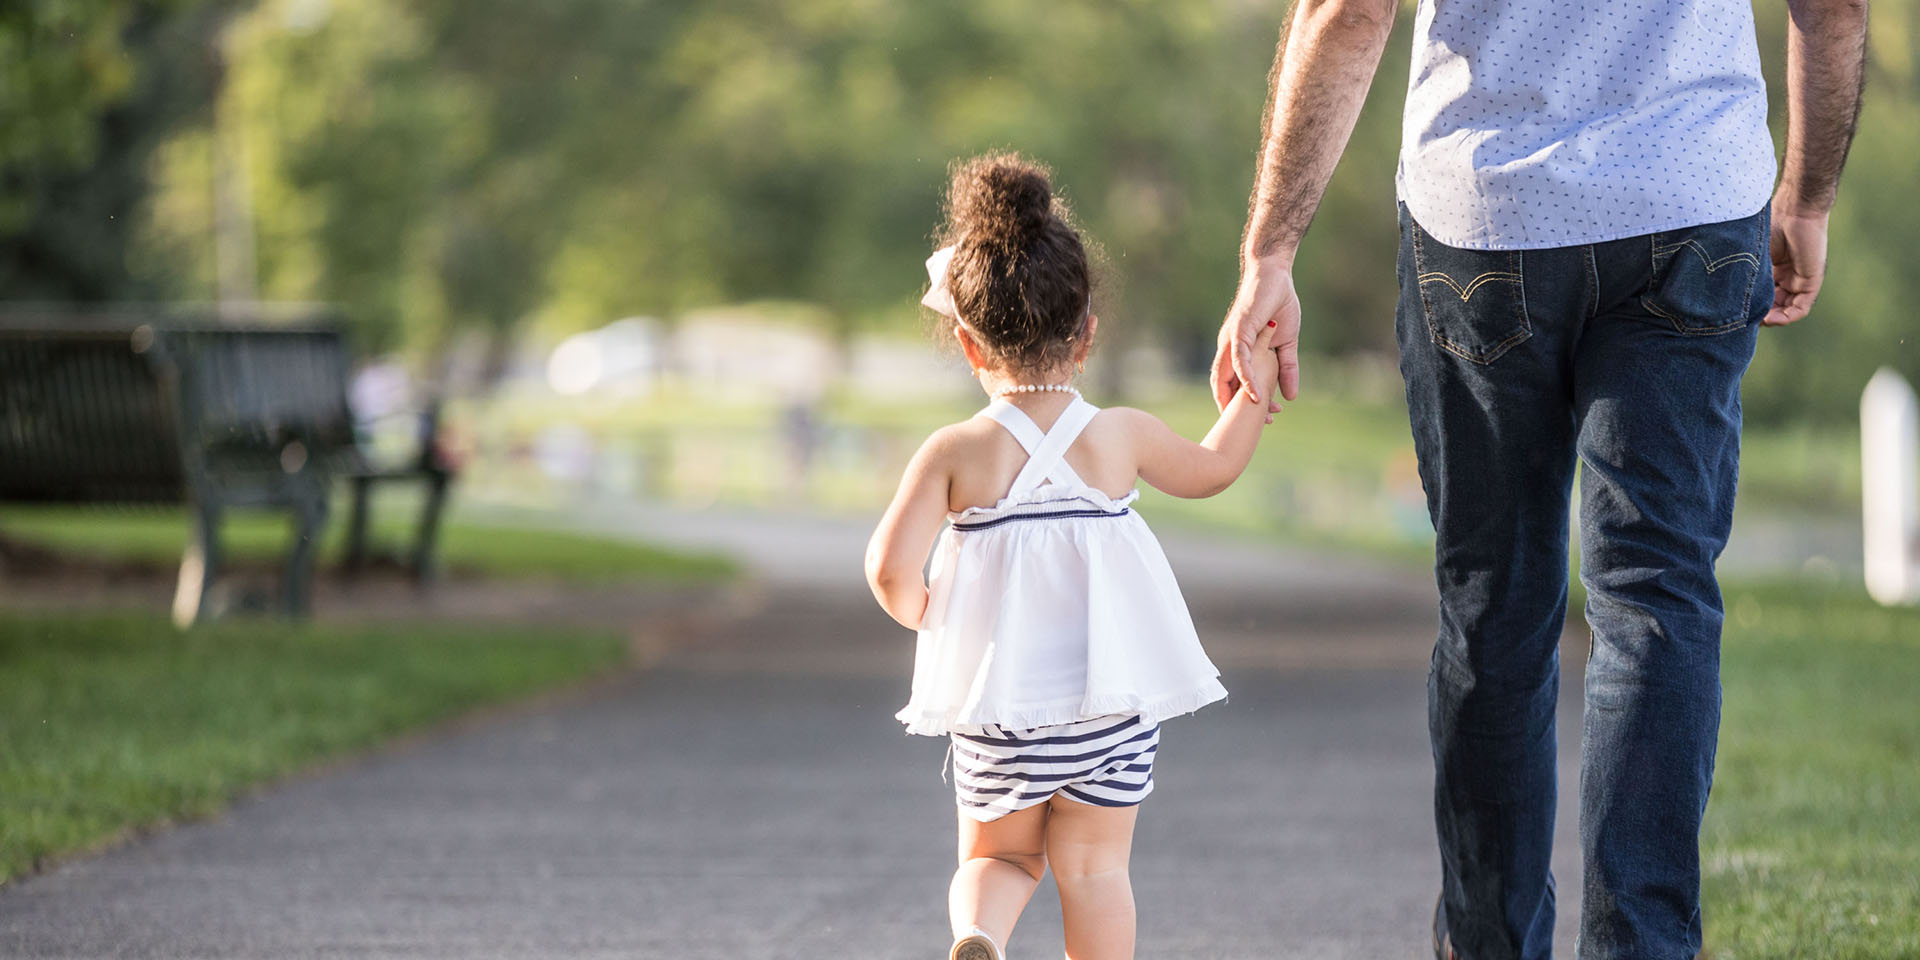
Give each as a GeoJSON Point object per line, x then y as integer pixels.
{"type": "Point", "coordinates": [1703, 277]}
{"type": "Point", "coordinates": [1474, 301]}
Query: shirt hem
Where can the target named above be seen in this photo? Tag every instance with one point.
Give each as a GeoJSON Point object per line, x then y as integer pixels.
{"type": "Point", "coordinates": [1711, 215]}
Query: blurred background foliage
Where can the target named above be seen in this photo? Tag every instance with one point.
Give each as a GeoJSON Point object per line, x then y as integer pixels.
{"type": "Point", "coordinates": [494, 167]}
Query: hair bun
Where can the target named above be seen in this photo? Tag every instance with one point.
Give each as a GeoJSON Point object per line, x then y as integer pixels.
{"type": "Point", "coordinates": [1018, 273]}
{"type": "Point", "coordinates": [1001, 200]}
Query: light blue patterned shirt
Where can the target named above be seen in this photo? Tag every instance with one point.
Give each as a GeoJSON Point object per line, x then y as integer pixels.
{"type": "Point", "coordinates": [1552, 123]}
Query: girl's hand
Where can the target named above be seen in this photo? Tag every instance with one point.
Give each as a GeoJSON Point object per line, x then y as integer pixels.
{"type": "Point", "coordinates": [1263, 365]}
{"type": "Point", "coordinates": [1178, 466]}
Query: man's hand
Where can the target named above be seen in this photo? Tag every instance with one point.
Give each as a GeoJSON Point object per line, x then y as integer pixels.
{"type": "Point", "coordinates": [1266, 298]}
{"type": "Point", "coordinates": [1799, 248]}
{"type": "Point", "coordinates": [1826, 71]}
{"type": "Point", "coordinates": [1322, 67]}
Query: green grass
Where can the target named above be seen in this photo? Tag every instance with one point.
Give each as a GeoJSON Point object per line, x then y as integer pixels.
{"type": "Point", "coordinates": [1812, 839]}
{"type": "Point", "coordinates": [157, 535]}
{"type": "Point", "coordinates": [1801, 469]}
{"type": "Point", "coordinates": [117, 722]}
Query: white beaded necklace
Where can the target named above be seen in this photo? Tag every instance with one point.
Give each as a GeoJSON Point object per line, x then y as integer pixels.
{"type": "Point", "coordinates": [1039, 388]}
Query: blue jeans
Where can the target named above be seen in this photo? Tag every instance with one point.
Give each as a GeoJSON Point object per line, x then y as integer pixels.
{"type": "Point", "coordinates": [1626, 358]}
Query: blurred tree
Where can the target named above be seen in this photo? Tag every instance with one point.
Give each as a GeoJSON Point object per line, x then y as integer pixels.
{"type": "Point", "coordinates": [355, 138]}
{"type": "Point", "coordinates": [439, 167]}
{"type": "Point", "coordinates": [1816, 368]}
{"type": "Point", "coordinates": [87, 89]}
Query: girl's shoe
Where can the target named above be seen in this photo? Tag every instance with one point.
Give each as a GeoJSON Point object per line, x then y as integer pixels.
{"type": "Point", "coordinates": [975, 946]}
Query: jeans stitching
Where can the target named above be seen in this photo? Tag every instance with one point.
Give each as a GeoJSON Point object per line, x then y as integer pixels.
{"type": "Point", "coordinates": [1467, 292]}
{"type": "Point", "coordinates": [1713, 266]}
{"type": "Point", "coordinates": [1593, 285]}
{"type": "Point", "coordinates": [1761, 240]}
{"type": "Point", "coordinates": [1520, 280]}
{"type": "Point", "coordinates": [1426, 304]}
{"type": "Point", "coordinates": [1680, 327]}
{"type": "Point", "coordinates": [1663, 252]}
{"type": "Point", "coordinates": [1492, 353]}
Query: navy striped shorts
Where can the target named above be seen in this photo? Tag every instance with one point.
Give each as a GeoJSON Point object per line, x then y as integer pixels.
{"type": "Point", "coordinates": [1106, 761]}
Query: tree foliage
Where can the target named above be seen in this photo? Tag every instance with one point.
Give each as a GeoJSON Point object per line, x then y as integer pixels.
{"type": "Point", "coordinates": [87, 89]}
{"type": "Point", "coordinates": [435, 166]}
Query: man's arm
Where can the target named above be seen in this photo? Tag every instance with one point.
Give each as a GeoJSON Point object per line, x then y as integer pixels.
{"type": "Point", "coordinates": [1826, 69]}
{"type": "Point", "coordinates": [1322, 67]}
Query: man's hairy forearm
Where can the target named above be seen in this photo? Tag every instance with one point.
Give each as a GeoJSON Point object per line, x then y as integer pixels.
{"type": "Point", "coordinates": [1826, 69]}
{"type": "Point", "coordinates": [1324, 63]}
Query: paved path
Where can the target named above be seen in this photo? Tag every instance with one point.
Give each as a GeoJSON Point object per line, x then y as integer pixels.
{"type": "Point", "coordinates": [750, 796]}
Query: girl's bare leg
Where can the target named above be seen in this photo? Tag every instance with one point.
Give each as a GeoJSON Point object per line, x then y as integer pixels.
{"type": "Point", "coordinates": [1000, 864]}
{"type": "Point", "coordinates": [1089, 847]}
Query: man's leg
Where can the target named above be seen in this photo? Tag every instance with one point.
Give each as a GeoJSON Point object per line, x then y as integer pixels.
{"type": "Point", "coordinates": [1657, 386]}
{"type": "Point", "coordinates": [1485, 345]}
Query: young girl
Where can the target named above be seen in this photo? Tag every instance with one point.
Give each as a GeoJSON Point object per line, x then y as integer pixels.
{"type": "Point", "coordinates": [1053, 639]}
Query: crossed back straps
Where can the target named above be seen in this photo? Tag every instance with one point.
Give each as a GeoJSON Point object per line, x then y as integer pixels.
{"type": "Point", "coordinates": [1046, 451]}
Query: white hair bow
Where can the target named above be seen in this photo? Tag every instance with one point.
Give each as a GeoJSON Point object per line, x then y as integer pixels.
{"type": "Point", "coordinates": [939, 299]}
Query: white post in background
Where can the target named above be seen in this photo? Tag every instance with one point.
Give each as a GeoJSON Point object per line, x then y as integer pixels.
{"type": "Point", "coordinates": [1889, 493]}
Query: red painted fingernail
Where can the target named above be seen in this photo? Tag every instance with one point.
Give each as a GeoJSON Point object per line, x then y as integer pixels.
{"type": "Point", "coordinates": [1273, 323]}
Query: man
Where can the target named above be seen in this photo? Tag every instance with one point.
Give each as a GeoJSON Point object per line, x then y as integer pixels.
{"type": "Point", "coordinates": [1584, 266]}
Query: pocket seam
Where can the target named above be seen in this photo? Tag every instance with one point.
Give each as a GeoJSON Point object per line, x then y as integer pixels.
{"type": "Point", "coordinates": [1682, 328]}
{"type": "Point", "coordinates": [1664, 253]}
{"type": "Point", "coordinates": [1515, 275]}
{"type": "Point", "coordinates": [1466, 293]}
{"type": "Point", "coordinates": [1713, 266]}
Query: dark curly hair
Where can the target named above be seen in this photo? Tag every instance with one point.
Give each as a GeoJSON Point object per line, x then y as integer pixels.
{"type": "Point", "coordinates": [1019, 274]}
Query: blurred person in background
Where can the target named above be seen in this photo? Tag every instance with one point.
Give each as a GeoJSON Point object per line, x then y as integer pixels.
{"type": "Point", "coordinates": [1591, 238]}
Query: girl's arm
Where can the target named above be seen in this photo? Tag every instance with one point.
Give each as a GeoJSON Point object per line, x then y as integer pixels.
{"type": "Point", "coordinates": [898, 551]}
{"type": "Point", "coordinates": [1178, 466]}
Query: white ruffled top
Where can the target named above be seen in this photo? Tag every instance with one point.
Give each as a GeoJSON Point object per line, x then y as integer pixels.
{"type": "Point", "coordinates": [1054, 605]}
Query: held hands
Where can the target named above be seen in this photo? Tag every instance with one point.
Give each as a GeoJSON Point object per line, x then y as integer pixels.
{"type": "Point", "coordinates": [1260, 339]}
{"type": "Point", "coordinates": [1799, 248]}
{"type": "Point", "coordinates": [1263, 365]}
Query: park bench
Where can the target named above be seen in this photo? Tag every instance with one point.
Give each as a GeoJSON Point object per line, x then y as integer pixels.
{"type": "Point", "coordinates": [152, 408]}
